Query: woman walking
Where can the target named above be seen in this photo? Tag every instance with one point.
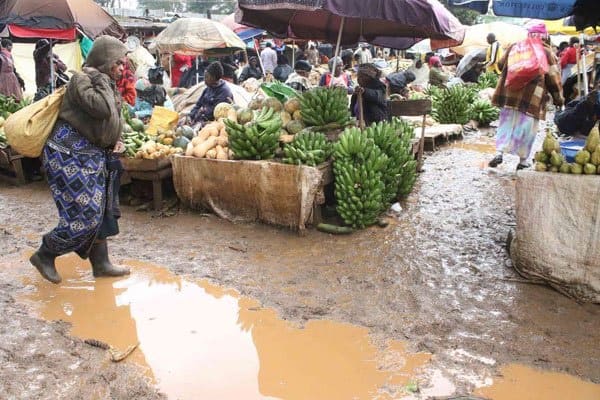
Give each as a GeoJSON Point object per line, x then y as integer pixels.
{"type": "Point", "coordinates": [81, 167]}
{"type": "Point", "coordinates": [522, 109]}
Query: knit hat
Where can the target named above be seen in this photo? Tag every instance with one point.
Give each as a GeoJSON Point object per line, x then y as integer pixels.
{"type": "Point", "coordinates": [369, 70]}
{"type": "Point", "coordinates": [434, 61]}
{"type": "Point", "coordinates": [537, 30]}
{"type": "Point", "coordinates": [302, 65]}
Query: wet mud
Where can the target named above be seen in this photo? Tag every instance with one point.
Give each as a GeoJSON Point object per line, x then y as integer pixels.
{"type": "Point", "coordinates": [436, 281]}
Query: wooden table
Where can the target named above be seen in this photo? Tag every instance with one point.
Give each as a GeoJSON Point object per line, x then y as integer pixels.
{"type": "Point", "coordinates": [154, 171]}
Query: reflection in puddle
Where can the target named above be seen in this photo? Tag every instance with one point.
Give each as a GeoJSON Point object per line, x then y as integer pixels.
{"type": "Point", "coordinates": [519, 382]}
{"type": "Point", "coordinates": [200, 341]}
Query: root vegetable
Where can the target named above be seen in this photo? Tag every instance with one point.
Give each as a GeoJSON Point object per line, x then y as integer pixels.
{"type": "Point", "coordinates": [201, 150]}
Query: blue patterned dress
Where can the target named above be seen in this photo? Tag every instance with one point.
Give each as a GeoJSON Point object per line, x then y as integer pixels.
{"type": "Point", "coordinates": [82, 179]}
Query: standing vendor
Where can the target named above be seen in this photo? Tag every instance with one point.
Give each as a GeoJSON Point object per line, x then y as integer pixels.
{"type": "Point", "coordinates": [217, 91]}
{"type": "Point", "coordinates": [373, 92]}
{"type": "Point", "coordinates": [493, 55]}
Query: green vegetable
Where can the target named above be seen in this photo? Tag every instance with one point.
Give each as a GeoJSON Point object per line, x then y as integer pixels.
{"type": "Point", "coordinates": [278, 90]}
{"type": "Point", "coordinates": [335, 229]}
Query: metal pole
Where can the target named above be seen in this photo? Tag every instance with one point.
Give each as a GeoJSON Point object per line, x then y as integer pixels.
{"type": "Point", "coordinates": [197, 74]}
{"type": "Point", "coordinates": [578, 58]}
{"type": "Point", "coordinates": [337, 49]}
{"type": "Point", "coordinates": [584, 66]}
{"type": "Point", "coordinates": [51, 55]}
{"type": "Point", "coordinates": [293, 52]}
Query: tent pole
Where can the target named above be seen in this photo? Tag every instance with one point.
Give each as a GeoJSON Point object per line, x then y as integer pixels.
{"type": "Point", "coordinates": [197, 74]}
{"type": "Point", "coordinates": [337, 49]}
{"type": "Point", "coordinates": [293, 52]}
{"type": "Point", "coordinates": [51, 55]}
{"type": "Point", "coordinates": [583, 66]}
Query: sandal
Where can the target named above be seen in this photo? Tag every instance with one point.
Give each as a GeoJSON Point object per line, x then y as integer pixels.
{"type": "Point", "coordinates": [495, 161]}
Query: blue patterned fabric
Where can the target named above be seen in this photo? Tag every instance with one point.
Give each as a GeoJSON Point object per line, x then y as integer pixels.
{"type": "Point", "coordinates": [77, 176]}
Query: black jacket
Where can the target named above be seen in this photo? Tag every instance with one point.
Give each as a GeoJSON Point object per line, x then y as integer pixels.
{"type": "Point", "coordinates": [374, 103]}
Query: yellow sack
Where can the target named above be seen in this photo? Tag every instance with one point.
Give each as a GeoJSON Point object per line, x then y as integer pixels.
{"type": "Point", "coordinates": [162, 119]}
{"type": "Point", "coordinates": [28, 129]}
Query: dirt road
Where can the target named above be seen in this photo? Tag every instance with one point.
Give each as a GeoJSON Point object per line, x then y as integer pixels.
{"type": "Point", "coordinates": [437, 278]}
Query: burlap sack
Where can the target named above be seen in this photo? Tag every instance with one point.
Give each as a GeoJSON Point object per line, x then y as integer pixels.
{"type": "Point", "coordinates": [28, 129]}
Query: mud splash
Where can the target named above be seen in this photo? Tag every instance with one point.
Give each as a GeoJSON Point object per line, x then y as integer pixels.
{"type": "Point", "coordinates": [197, 339]}
{"type": "Point", "coordinates": [519, 382]}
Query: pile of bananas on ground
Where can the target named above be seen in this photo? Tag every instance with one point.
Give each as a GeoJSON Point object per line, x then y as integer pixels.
{"type": "Point", "coordinates": [487, 80]}
{"type": "Point", "coordinates": [308, 148]}
{"type": "Point", "coordinates": [587, 160]}
{"type": "Point", "coordinates": [359, 187]}
{"type": "Point", "coordinates": [451, 105]}
{"type": "Point", "coordinates": [256, 140]}
{"type": "Point", "coordinates": [325, 108]}
{"type": "Point", "coordinates": [394, 140]}
{"type": "Point", "coordinates": [483, 112]}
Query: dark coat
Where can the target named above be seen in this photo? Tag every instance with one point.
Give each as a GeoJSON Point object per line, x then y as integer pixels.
{"type": "Point", "coordinates": [211, 96]}
{"type": "Point", "coordinates": [374, 102]}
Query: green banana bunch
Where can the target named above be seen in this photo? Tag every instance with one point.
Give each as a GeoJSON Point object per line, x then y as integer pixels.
{"type": "Point", "coordinates": [309, 148]}
{"type": "Point", "coordinates": [394, 140]}
{"type": "Point", "coordinates": [487, 80]}
{"type": "Point", "coordinates": [451, 105]}
{"type": "Point", "coordinates": [483, 112]}
{"type": "Point", "coordinates": [257, 140]}
{"type": "Point", "coordinates": [358, 167]}
{"type": "Point", "coordinates": [3, 139]}
{"type": "Point", "coordinates": [326, 108]}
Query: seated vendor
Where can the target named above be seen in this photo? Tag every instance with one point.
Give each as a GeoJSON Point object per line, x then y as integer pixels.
{"type": "Point", "coordinates": [373, 92]}
{"type": "Point", "coordinates": [398, 83]}
{"type": "Point", "coordinates": [217, 91]}
{"type": "Point", "coordinates": [299, 78]}
{"type": "Point", "coordinates": [150, 93]}
{"type": "Point", "coordinates": [252, 70]}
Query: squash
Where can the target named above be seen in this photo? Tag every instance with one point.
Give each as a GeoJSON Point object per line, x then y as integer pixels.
{"type": "Point", "coordinates": [221, 153]}
{"type": "Point", "coordinates": [212, 154]}
{"type": "Point", "coordinates": [222, 141]}
{"type": "Point", "coordinates": [221, 110]}
{"type": "Point", "coordinates": [181, 142]}
{"type": "Point", "coordinates": [208, 130]}
{"type": "Point", "coordinates": [201, 150]}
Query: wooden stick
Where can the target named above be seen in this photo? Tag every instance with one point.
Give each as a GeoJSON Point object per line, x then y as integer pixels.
{"type": "Point", "coordinates": [361, 111]}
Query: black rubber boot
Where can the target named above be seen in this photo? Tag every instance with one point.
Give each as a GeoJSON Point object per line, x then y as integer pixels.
{"type": "Point", "coordinates": [43, 260]}
{"type": "Point", "coordinates": [101, 265]}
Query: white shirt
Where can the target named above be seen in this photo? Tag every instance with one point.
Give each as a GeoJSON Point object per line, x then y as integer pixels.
{"type": "Point", "coordinates": [269, 59]}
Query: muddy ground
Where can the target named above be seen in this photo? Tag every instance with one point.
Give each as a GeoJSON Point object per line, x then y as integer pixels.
{"type": "Point", "coordinates": [438, 277]}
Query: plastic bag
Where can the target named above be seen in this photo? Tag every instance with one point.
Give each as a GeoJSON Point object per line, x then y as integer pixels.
{"type": "Point", "coordinates": [526, 61]}
{"type": "Point", "coordinates": [162, 119]}
{"type": "Point", "coordinates": [28, 129]}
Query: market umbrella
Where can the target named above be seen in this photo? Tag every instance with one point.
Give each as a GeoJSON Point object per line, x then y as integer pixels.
{"type": "Point", "coordinates": [471, 59]}
{"type": "Point", "coordinates": [391, 23]}
{"type": "Point", "coordinates": [565, 26]}
{"type": "Point", "coordinates": [244, 32]}
{"type": "Point", "coordinates": [57, 19]}
{"type": "Point", "coordinates": [197, 36]}
{"type": "Point", "coordinates": [475, 36]}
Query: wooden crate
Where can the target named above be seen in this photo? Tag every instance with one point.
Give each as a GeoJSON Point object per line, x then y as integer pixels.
{"type": "Point", "coordinates": [140, 164]}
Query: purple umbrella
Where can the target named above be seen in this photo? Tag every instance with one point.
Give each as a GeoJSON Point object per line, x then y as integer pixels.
{"type": "Point", "coordinates": [391, 23]}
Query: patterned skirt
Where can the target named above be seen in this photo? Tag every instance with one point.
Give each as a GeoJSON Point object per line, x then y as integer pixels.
{"type": "Point", "coordinates": [516, 133]}
{"type": "Point", "coordinates": [82, 185]}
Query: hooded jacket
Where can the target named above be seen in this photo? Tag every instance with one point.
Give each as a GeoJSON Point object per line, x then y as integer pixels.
{"type": "Point", "coordinates": [92, 104]}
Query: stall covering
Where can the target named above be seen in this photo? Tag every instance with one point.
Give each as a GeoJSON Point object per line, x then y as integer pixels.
{"type": "Point", "coordinates": [476, 35]}
{"type": "Point", "coordinates": [397, 24]}
{"type": "Point", "coordinates": [197, 36]}
{"type": "Point", "coordinates": [57, 19]}
{"type": "Point", "coordinates": [245, 33]}
{"type": "Point", "coordinates": [69, 53]}
{"type": "Point", "coordinates": [243, 190]}
{"type": "Point", "coordinates": [558, 232]}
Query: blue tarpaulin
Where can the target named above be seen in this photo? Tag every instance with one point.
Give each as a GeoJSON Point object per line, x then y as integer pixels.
{"type": "Point", "coordinates": [538, 9]}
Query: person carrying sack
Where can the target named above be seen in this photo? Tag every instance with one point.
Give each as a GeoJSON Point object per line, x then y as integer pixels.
{"type": "Point", "coordinates": [82, 169]}
{"type": "Point", "coordinates": [530, 75]}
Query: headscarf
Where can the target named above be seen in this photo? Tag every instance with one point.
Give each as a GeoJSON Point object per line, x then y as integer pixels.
{"type": "Point", "coordinates": [106, 51]}
{"type": "Point", "coordinates": [434, 61]}
{"type": "Point", "coordinates": [538, 30]}
{"type": "Point", "coordinates": [338, 62]}
{"type": "Point", "coordinates": [369, 70]}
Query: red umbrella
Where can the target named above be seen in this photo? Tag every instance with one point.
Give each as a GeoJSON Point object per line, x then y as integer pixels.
{"type": "Point", "coordinates": [57, 19]}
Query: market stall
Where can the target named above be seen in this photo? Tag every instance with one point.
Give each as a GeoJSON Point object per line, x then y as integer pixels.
{"type": "Point", "coordinates": [558, 218]}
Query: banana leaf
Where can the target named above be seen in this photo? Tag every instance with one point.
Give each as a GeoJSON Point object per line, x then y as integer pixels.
{"type": "Point", "coordinates": [279, 90]}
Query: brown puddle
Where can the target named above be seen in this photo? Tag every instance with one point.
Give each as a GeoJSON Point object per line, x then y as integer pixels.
{"type": "Point", "coordinates": [198, 340]}
{"type": "Point", "coordinates": [518, 382]}
{"type": "Point", "coordinates": [487, 148]}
